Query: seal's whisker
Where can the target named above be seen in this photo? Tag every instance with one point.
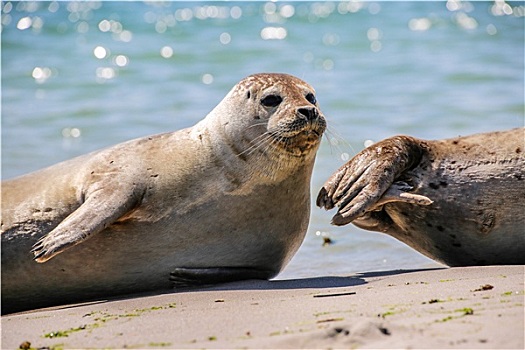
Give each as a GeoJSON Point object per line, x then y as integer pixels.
{"type": "Point", "coordinates": [284, 134]}
{"type": "Point", "coordinates": [273, 138]}
{"type": "Point", "coordinates": [273, 141]}
{"type": "Point", "coordinates": [264, 143]}
{"type": "Point", "coordinates": [258, 138]}
{"type": "Point", "coordinates": [259, 141]}
{"type": "Point", "coordinates": [257, 124]}
{"type": "Point", "coordinates": [336, 140]}
{"type": "Point", "coordinates": [253, 148]}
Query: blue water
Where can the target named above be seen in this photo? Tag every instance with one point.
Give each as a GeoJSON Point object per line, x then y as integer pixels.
{"type": "Point", "coordinates": [81, 76]}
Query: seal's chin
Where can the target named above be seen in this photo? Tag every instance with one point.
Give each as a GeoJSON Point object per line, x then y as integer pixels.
{"type": "Point", "coordinates": [298, 143]}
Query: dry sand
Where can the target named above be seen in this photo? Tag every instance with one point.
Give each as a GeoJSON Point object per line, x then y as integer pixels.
{"type": "Point", "coordinates": [476, 307]}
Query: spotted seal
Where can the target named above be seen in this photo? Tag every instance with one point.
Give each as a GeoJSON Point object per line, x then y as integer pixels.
{"type": "Point", "coordinates": [459, 201]}
{"type": "Point", "coordinates": [227, 199]}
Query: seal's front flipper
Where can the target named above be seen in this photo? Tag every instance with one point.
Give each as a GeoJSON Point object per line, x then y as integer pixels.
{"type": "Point", "coordinates": [102, 207]}
{"type": "Point", "coordinates": [359, 185]}
{"type": "Point", "coordinates": [187, 277]}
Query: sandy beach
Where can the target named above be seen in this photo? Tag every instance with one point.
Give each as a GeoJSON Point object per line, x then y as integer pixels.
{"type": "Point", "coordinates": [472, 307]}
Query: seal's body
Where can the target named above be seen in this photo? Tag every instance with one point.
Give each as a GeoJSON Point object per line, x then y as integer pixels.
{"type": "Point", "coordinates": [459, 201]}
{"type": "Point", "coordinates": [227, 199]}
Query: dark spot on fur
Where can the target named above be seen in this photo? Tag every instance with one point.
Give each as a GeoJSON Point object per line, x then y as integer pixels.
{"type": "Point", "coordinates": [154, 175]}
{"type": "Point", "coordinates": [453, 162]}
{"type": "Point", "coordinates": [338, 330]}
{"type": "Point", "coordinates": [111, 162]}
{"type": "Point", "coordinates": [257, 117]}
{"type": "Point", "coordinates": [440, 228]}
{"type": "Point", "coordinates": [487, 222]}
{"type": "Point", "coordinates": [436, 186]}
{"type": "Point", "coordinates": [518, 150]}
{"type": "Point", "coordinates": [456, 244]}
{"type": "Point", "coordinates": [455, 142]}
{"type": "Point", "coordinates": [47, 210]}
{"type": "Point", "coordinates": [518, 176]}
{"type": "Point", "coordinates": [248, 94]}
{"type": "Point", "coordinates": [433, 186]}
{"type": "Point", "coordinates": [429, 224]}
{"type": "Point", "coordinates": [384, 330]}
{"type": "Point", "coordinates": [92, 172]}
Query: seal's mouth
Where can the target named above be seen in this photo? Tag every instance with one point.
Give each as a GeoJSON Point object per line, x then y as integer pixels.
{"type": "Point", "coordinates": [299, 139]}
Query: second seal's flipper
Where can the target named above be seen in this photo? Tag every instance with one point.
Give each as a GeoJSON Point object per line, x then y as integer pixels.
{"type": "Point", "coordinates": [368, 180]}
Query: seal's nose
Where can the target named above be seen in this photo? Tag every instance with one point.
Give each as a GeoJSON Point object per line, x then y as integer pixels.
{"type": "Point", "coordinates": [310, 113]}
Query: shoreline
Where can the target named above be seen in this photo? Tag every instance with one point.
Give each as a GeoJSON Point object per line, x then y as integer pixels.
{"type": "Point", "coordinates": [467, 307]}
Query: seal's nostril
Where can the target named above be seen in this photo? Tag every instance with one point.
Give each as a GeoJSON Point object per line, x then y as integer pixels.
{"type": "Point", "coordinates": [309, 112]}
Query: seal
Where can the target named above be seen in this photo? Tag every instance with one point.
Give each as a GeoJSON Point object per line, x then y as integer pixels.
{"type": "Point", "coordinates": [458, 201]}
{"type": "Point", "coordinates": [227, 199]}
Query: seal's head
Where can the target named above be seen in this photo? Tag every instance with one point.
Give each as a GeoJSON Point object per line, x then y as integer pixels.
{"type": "Point", "coordinates": [275, 112]}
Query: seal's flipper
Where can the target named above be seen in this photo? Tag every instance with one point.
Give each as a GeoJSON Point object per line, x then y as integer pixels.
{"type": "Point", "coordinates": [188, 277]}
{"type": "Point", "coordinates": [100, 209]}
{"type": "Point", "coordinates": [368, 179]}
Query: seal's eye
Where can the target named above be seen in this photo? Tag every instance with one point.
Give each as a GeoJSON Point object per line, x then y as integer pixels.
{"type": "Point", "coordinates": [272, 101]}
{"type": "Point", "coordinates": [311, 98]}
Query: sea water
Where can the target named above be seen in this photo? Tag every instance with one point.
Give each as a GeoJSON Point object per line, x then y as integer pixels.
{"type": "Point", "coordinates": [80, 76]}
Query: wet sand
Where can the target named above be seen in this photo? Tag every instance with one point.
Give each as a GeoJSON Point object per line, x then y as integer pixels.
{"type": "Point", "coordinates": [473, 307]}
